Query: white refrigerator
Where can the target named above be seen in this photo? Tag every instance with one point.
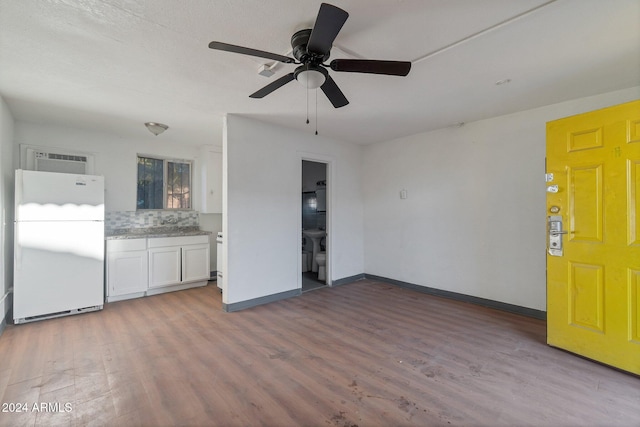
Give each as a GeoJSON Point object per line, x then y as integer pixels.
{"type": "Point", "coordinates": [58, 245]}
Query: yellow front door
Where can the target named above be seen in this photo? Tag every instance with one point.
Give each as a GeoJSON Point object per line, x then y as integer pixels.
{"type": "Point", "coordinates": [593, 235]}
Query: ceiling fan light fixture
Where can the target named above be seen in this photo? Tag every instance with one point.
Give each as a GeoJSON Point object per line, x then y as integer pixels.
{"type": "Point", "coordinates": [156, 128]}
{"type": "Point", "coordinates": [311, 79]}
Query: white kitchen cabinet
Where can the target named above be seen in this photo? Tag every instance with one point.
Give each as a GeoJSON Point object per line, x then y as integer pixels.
{"type": "Point", "coordinates": [195, 263]}
{"type": "Point", "coordinates": [178, 261]}
{"type": "Point", "coordinates": [126, 269]}
{"type": "Point", "coordinates": [149, 266]}
{"type": "Point", "coordinates": [164, 266]}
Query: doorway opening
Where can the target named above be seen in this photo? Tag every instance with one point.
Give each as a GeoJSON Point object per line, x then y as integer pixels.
{"type": "Point", "coordinates": [314, 225]}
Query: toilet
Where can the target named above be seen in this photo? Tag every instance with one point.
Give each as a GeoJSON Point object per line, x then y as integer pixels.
{"type": "Point", "coordinates": [321, 259]}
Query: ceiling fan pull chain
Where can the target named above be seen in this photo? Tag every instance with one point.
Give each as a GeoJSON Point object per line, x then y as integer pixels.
{"type": "Point", "coordinates": [316, 111]}
{"type": "Point", "coordinates": [307, 105]}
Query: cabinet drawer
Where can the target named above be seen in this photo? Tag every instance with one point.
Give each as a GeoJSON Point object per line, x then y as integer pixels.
{"type": "Point", "coordinates": [121, 245]}
{"type": "Point", "coordinates": [158, 242]}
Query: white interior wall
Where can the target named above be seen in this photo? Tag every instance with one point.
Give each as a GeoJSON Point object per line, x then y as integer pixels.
{"type": "Point", "coordinates": [6, 206]}
{"type": "Point", "coordinates": [115, 156]}
{"type": "Point", "coordinates": [262, 169]}
{"type": "Point", "coordinates": [474, 219]}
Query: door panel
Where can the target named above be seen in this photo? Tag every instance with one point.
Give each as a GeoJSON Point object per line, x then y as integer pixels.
{"type": "Point", "coordinates": [593, 288]}
{"type": "Point", "coordinates": [634, 304]}
{"type": "Point", "coordinates": [585, 203]}
{"type": "Point", "coordinates": [633, 216]}
{"type": "Point", "coordinates": [585, 139]}
{"type": "Point", "coordinates": [585, 296]}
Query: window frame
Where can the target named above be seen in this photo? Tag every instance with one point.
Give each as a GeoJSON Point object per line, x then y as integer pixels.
{"type": "Point", "coordinates": [165, 174]}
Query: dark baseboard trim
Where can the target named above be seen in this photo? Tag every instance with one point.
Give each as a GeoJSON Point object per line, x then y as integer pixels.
{"type": "Point", "coordinates": [511, 308]}
{"type": "Point", "coordinates": [349, 279]}
{"type": "Point", "coordinates": [525, 311]}
{"type": "Point", "coordinates": [242, 305]}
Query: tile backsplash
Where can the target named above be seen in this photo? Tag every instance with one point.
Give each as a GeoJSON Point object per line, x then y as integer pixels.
{"type": "Point", "coordinates": [152, 218]}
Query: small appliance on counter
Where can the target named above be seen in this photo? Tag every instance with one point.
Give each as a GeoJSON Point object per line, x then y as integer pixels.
{"type": "Point", "coordinates": [58, 245]}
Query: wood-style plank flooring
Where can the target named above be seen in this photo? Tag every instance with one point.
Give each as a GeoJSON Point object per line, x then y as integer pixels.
{"type": "Point", "coordinates": [363, 354]}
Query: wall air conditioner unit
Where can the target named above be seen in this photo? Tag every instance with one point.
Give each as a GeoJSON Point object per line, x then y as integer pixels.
{"type": "Point", "coordinates": [59, 161]}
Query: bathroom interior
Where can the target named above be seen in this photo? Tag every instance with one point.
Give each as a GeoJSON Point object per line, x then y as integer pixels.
{"type": "Point", "coordinates": [314, 225]}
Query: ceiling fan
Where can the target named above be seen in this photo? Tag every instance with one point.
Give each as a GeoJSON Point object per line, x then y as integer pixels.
{"type": "Point", "coordinates": [311, 48]}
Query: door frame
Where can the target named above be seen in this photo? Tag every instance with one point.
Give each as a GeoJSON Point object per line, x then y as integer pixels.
{"type": "Point", "coordinates": [328, 161]}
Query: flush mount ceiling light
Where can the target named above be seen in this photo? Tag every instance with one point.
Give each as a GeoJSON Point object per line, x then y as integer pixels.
{"type": "Point", "coordinates": [156, 128]}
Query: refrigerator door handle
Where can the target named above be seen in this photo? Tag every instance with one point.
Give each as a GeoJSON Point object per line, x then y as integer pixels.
{"type": "Point", "coordinates": [17, 247]}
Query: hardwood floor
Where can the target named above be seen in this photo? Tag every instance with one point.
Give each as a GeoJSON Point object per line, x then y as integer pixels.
{"type": "Point", "coordinates": [363, 354]}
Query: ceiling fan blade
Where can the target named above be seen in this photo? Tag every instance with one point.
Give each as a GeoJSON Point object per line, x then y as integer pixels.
{"type": "Point", "coordinates": [328, 24]}
{"type": "Point", "coordinates": [248, 51]}
{"type": "Point", "coordinates": [333, 92]}
{"type": "Point", "coordinates": [272, 86]}
{"type": "Point", "coordinates": [390, 68]}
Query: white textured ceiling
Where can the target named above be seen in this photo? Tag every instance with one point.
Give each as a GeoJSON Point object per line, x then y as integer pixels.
{"type": "Point", "coordinates": [111, 65]}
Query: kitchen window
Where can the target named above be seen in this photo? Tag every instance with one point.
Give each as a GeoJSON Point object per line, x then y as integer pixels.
{"type": "Point", "coordinates": [163, 183]}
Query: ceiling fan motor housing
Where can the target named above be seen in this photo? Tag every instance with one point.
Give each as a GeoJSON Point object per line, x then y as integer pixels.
{"type": "Point", "coordinates": [299, 42]}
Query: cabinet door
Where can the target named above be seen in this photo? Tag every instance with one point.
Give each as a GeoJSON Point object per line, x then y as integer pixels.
{"type": "Point", "coordinates": [126, 272]}
{"type": "Point", "coordinates": [164, 266]}
{"type": "Point", "coordinates": [195, 263]}
{"type": "Point", "coordinates": [212, 188]}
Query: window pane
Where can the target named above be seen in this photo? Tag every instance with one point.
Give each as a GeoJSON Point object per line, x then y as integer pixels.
{"type": "Point", "coordinates": [178, 185]}
{"type": "Point", "coordinates": [149, 183]}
